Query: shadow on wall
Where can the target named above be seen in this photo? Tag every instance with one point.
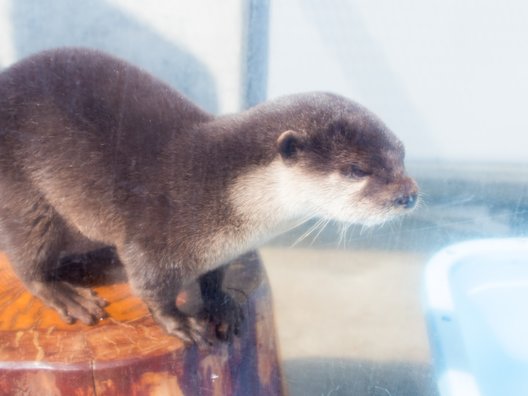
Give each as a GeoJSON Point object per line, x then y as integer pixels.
{"type": "Point", "coordinates": [97, 24]}
{"type": "Point", "coordinates": [342, 377]}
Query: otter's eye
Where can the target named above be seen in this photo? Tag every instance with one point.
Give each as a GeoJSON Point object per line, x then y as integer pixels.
{"type": "Point", "coordinates": [356, 172]}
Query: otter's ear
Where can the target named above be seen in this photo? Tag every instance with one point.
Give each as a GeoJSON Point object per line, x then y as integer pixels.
{"type": "Point", "coordinates": [290, 144]}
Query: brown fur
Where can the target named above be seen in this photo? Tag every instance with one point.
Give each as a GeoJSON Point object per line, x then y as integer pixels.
{"type": "Point", "coordinates": [95, 152]}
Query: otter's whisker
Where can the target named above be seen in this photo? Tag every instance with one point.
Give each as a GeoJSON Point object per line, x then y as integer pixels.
{"type": "Point", "coordinates": [342, 235]}
{"type": "Point", "coordinates": [320, 230]}
{"type": "Point", "coordinates": [308, 232]}
{"type": "Point", "coordinates": [363, 229]}
{"type": "Point", "coordinates": [298, 223]}
{"type": "Point", "coordinates": [345, 241]}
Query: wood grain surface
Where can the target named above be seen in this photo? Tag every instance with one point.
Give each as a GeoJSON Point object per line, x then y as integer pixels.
{"type": "Point", "coordinates": [128, 353]}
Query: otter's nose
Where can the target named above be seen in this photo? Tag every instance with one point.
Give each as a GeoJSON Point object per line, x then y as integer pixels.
{"type": "Point", "coordinates": [408, 201]}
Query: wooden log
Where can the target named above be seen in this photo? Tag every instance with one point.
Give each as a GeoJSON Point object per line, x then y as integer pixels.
{"type": "Point", "coordinates": [128, 353]}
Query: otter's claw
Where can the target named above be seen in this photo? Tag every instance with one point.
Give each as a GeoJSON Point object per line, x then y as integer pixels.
{"type": "Point", "coordinates": [225, 314]}
{"type": "Point", "coordinates": [71, 302]}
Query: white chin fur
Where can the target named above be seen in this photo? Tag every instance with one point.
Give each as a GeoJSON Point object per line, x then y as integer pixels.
{"type": "Point", "coordinates": [270, 196]}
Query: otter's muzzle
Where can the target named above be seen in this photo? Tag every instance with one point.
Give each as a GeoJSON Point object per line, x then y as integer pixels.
{"type": "Point", "coordinates": [407, 196]}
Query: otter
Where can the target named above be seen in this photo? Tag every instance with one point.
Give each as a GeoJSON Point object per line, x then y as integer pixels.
{"type": "Point", "coordinates": [95, 152]}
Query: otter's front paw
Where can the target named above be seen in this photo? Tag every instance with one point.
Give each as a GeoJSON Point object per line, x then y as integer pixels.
{"type": "Point", "coordinates": [71, 302]}
{"type": "Point", "coordinates": [225, 314]}
{"type": "Point", "coordinates": [187, 328]}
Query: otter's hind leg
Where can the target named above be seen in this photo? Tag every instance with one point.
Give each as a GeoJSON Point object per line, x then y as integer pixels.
{"type": "Point", "coordinates": [34, 238]}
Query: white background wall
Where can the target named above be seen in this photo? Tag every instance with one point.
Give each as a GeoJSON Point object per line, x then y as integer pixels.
{"type": "Point", "coordinates": [194, 45]}
{"type": "Point", "coordinates": [449, 77]}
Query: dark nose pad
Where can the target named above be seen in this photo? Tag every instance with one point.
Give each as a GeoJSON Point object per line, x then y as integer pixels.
{"type": "Point", "coordinates": [408, 201]}
{"type": "Point", "coordinates": [407, 194]}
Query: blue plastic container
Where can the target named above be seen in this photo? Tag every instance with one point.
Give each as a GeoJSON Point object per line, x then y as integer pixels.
{"type": "Point", "coordinates": [476, 300]}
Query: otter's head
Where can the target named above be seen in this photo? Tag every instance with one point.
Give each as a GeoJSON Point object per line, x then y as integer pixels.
{"type": "Point", "coordinates": [343, 163]}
